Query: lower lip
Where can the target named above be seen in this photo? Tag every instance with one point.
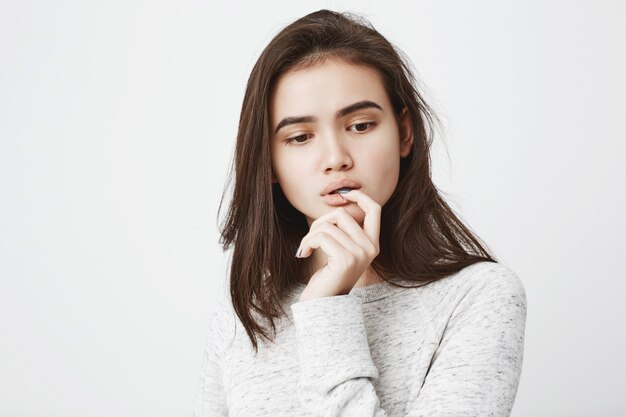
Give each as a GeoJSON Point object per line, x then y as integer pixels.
{"type": "Point", "coordinates": [335, 200]}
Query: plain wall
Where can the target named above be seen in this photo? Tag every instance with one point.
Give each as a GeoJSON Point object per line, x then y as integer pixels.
{"type": "Point", "coordinates": [117, 125]}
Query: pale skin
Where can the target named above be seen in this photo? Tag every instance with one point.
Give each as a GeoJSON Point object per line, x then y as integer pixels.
{"type": "Point", "coordinates": [348, 249]}
{"type": "Point", "coordinates": [334, 121]}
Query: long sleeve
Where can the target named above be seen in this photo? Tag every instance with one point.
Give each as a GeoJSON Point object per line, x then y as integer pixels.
{"type": "Point", "coordinates": [335, 363]}
{"type": "Point", "coordinates": [475, 370]}
{"type": "Point", "coordinates": [477, 366]}
{"type": "Point", "coordinates": [211, 396]}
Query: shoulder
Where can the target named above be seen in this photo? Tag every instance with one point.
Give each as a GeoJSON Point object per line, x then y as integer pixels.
{"type": "Point", "coordinates": [495, 280]}
{"type": "Point", "coordinates": [480, 289]}
{"type": "Point", "coordinates": [492, 290]}
{"type": "Point", "coordinates": [481, 278]}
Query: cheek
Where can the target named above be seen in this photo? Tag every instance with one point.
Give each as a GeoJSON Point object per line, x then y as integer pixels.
{"type": "Point", "coordinates": [386, 157]}
{"type": "Point", "coordinates": [286, 170]}
{"type": "Point", "coordinates": [386, 161]}
{"type": "Point", "coordinates": [388, 174]}
{"type": "Point", "coordinates": [280, 165]}
{"type": "Point", "coordinates": [290, 173]}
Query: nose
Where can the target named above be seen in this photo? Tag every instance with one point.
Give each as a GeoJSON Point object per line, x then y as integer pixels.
{"type": "Point", "coordinates": [336, 154]}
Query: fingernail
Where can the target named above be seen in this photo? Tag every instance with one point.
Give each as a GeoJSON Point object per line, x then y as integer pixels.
{"type": "Point", "coordinates": [298, 253]}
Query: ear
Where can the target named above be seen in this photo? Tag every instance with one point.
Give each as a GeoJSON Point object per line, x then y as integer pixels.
{"type": "Point", "coordinates": [405, 128]}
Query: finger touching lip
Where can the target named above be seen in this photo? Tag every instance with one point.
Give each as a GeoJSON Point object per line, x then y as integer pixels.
{"type": "Point", "coordinates": [356, 194]}
{"type": "Point", "coordinates": [339, 184]}
{"type": "Point", "coordinates": [372, 212]}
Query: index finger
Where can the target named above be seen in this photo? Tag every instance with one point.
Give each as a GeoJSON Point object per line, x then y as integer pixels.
{"type": "Point", "coordinates": [371, 223]}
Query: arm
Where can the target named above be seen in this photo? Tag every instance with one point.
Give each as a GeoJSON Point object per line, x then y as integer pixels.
{"type": "Point", "coordinates": [475, 371]}
{"type": "Point", "coordinates": [211, 397]}
{"type": "Point", "coordinates": [335, 362]}
{"type": "Point", "coordinates": [477, 366]}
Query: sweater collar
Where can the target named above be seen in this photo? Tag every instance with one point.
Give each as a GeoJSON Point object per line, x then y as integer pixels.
{"type": "Point", "coordinates": [367, 293]}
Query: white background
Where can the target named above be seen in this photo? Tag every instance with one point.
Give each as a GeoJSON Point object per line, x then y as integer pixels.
{"type": "Point", "coordinates": [117, 124]}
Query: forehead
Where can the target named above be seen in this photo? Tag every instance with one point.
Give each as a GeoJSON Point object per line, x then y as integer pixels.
{"type": "Point", "coordinates": [325, 87]}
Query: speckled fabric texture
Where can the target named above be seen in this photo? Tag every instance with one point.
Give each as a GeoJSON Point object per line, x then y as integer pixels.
{"type": "Point", "coordinates": [450, 348]}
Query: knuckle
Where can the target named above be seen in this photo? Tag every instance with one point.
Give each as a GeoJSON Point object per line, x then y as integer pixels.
{"type": "Point", "coordinates": [327, 227]}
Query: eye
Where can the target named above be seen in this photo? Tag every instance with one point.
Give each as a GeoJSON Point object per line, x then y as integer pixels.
{"type": "Point", "coordinates": [361, 127]}
{"type": "Point", "coordinates": [296, 139]}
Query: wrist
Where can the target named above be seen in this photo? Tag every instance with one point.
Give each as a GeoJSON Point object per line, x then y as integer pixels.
{"type": "Point", "coordinates": [311, 295]}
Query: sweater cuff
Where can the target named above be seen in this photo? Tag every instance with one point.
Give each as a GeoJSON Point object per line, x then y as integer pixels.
{"type": "Point", "coordinates": [331, 337]}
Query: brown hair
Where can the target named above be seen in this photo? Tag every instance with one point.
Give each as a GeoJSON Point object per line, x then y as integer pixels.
{"type": "Point", "coordinates": [421, 238]}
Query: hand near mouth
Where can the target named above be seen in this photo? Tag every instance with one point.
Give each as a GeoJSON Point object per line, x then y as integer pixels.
{"type": "Point", "coordinates": [349, 248]}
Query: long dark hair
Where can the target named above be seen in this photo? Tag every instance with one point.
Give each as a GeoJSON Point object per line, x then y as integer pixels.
{"type": "Point", "coordinates": [421, 238]}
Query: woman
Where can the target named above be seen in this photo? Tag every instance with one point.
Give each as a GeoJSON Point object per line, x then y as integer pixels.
{"type": "Point", "coordinates": [381, 302]}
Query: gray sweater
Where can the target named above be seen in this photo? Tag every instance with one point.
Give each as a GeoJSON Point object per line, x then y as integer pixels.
{"type": "Point", "coordinates": [453, 347]}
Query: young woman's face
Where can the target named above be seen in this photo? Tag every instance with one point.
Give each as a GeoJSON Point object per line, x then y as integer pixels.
{"type": "Point", "coordinates": [334, 121]}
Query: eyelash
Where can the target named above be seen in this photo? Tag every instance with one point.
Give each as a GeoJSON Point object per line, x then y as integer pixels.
{"type": "Point", "coordinates": [292, 139]}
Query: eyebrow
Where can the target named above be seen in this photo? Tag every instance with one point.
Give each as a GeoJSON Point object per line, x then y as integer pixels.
{"type": "Point", "coordinates": [360, 105]}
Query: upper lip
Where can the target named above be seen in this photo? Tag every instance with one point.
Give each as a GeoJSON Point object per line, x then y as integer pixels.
{"type": "Point", "coordinates": [344, 182]}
